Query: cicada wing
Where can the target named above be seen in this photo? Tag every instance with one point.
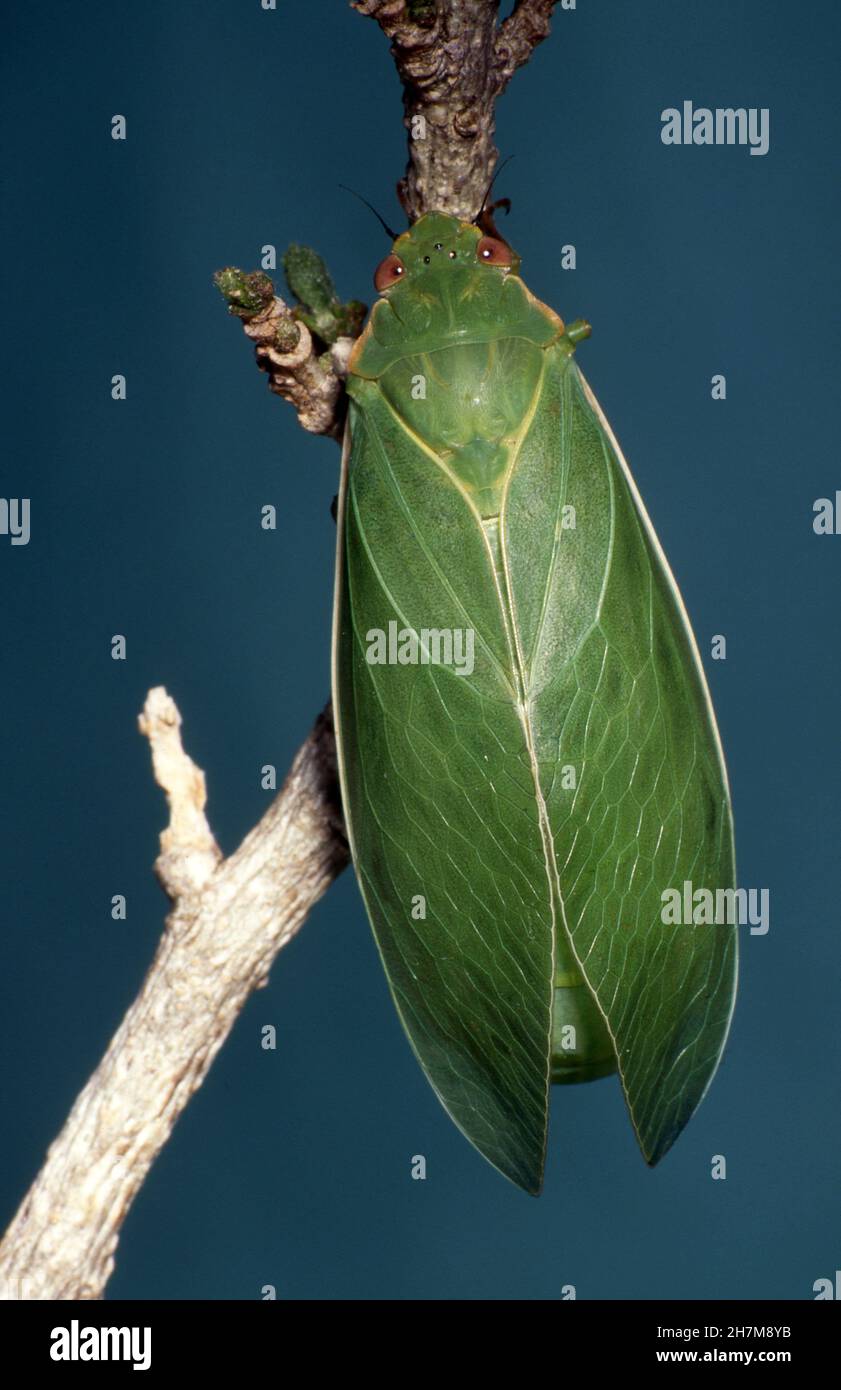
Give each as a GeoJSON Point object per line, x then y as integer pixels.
{"type": "Point", "coordinates": [617, 694]}
{"type": "Point", "coordinates": [439, 795]}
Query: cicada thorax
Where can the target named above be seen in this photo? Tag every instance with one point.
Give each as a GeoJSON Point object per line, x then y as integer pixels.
{"type": "Point", "coordinates": [467, 403]}
{"type": "Point", "coordinates": [458, 353]}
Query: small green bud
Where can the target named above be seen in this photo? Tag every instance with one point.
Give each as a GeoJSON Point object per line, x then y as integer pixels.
{"type": "Point", "coordinates": [246, 294]}
{"type": "Point", "coordinates": [319, 307]}
{"type": "Point", "coordinates": [309, 279]}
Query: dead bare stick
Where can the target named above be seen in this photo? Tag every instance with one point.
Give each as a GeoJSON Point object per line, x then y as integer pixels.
{"type": "Point", "coordinates": [229, 919]}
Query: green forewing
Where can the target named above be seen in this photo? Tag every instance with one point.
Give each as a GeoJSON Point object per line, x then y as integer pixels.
{"type": "Point", "coordinates": [453, 784]}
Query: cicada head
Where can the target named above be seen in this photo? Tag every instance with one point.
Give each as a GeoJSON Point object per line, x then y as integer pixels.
{"type": "Point", "coordinates": [447, 282]}
{"type": "Point", "coordinates": [440, 253]}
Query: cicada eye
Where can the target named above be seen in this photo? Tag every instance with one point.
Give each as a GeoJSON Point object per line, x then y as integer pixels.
{"type": "Point", "coordinates": [493, 252]}
{"type": "Point", "coordinates": [388, 272]}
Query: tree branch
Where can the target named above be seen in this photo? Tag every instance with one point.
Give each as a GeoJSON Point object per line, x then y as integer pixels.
{"type": "Point", "coordinates": [454, 62]}
{"type": "Point", "coordinates": [304, 350]}
{"type": "Point", "coordinates": [314, 387]}
{"type": "Point", "coordinates": [231, 917]}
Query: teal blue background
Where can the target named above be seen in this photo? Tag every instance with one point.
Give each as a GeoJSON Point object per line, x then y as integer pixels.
{"type": "Point", "coordinates": [292, 1168]}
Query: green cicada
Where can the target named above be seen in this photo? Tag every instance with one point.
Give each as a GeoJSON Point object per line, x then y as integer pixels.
{"type": "Point", "coordinates": [529, 758]}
